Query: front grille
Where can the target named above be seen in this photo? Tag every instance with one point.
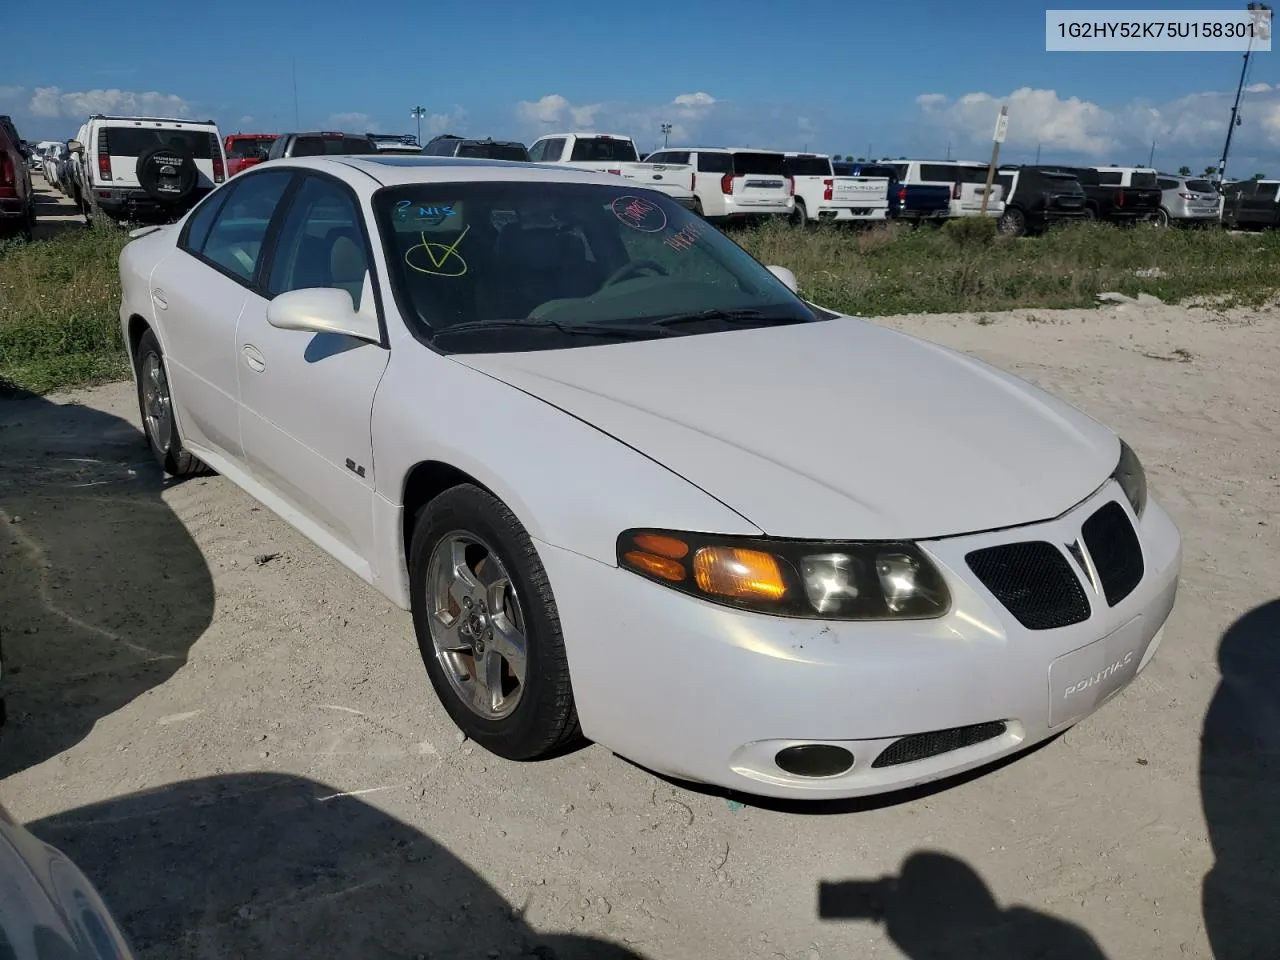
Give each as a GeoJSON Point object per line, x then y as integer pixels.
{"type": "Point", "coordinates": [1034, 582]}
{"type": "Point", "coordinates": [1116, 552]}
{"type": "Point", "coordinates": [922, 746]}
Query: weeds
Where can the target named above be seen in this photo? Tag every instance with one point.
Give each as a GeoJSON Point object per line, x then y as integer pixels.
{"type": "Point", "coordinates": [966, 267]}
{"type": "Point", "coordinates": [59, 311]}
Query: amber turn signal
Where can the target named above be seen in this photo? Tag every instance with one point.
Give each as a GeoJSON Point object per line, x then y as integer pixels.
{"type": "Point", "coordinates": [738, 573]}
{"type": "Point", "coordinates": [656, 566]}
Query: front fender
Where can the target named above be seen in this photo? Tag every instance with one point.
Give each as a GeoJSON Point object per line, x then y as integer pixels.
{"type": "Point", "coordinates": [570, 484]}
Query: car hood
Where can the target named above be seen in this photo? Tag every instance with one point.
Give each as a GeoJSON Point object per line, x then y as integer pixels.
{"type": "Point", "coordinates": [840, 429]}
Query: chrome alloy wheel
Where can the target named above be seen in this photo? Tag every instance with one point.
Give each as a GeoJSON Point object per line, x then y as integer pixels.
{"type": "Point", "coordinates": [477, 625]}
{"type": "Point", "coordinates": [157, 405]}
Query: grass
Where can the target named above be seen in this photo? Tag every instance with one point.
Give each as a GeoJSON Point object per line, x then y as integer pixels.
{"type": "Point", "coordinates": [965, 267]}
{"type": "Point", "coordinates": [59, 298]}
{"type": "Point", "coordinates": [59, 311]}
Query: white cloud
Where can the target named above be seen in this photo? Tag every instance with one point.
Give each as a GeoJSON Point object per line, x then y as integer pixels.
{"type": "Point", "coordinates": [10, 93]}
{"type": "Point", "coordinates": [694, 100]}
{"type": "Point", "coordinates": [246, 119]}
{"type": "Point", "coordinates": [352, 123]}
{"type": "Point", "coordinates": [451, 121]}
{"type": "Point", "coordinates": [53, 102]}
{"type": "Point", "coordinates": [1192, 125]}
{"type": "Point", "coordinates": [554, 109]}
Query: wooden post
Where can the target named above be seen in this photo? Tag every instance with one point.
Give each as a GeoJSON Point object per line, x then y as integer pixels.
{"type": "Point", "coordinates": [1002, 125]}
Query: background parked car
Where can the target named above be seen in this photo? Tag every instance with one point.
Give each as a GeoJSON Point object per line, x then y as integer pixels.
{"type": "Point", "coordinates": [447, 145]}
{"type": "Point", "coordinates": [245, 150]}
{"type": "Point", "coordinates": [17, 198]}
{"type": "Point", "coordinates": [1117, 194]}
{"type": "Point", "coordinates": [150, 169]}
{"type": "Point", "coordinates": [822, 194]}
{"type": "Point", "coordinates": [402, 143]}
{"type": "Point", "coordinates": [966, 180]}
{"type": "Point", "coordinates": [1251, 204]}
{"type": "Point", "coordinates": [616, 154]}
{"type": "Point", "coordinates": [1186, 201]}
{"type": "Point", "coordinates": [1038, 197]}
{"type": "Point", "coordinates": [734, 183]}
{"type": "Point", "coordinates": [321, 144]}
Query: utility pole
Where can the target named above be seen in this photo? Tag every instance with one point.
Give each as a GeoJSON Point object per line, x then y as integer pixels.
{"type": "Point", "coordinates": [1037, 154]}
{"type": "Point", "coordinates": [418, 113]}
{"type": "Point", "coordinates": [666, 135]}
{"type": "Point", "coordinates": [296, 122]}
{"type": "Point", "coordinates": [1260, 22]}
{"type": "Point", "coordinates": [948, 150]}
{"type": "Point", "coordinates": [1151, 157]}
{"type": "Point", "coordinates": [997, 138]}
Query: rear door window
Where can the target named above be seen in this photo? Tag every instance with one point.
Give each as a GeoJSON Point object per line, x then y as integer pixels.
{"type": "Point", "coordinates": [715, 163]}
{"type": "Point", "coordinates": [1108, 178]}
{"type": "Point", "coordinates": [135, 141]}
{"type": "Point", "coordinates": [603, 150]}
{"type": "Point", "coordinates": [1144, 179]}
{"type": "Point", "coordinates": [768, 164]}
{"type": "Point", "coordinates": [807, 166]}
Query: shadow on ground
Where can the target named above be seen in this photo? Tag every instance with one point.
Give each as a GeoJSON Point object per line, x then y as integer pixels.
{"type": "Point", "coordinates": [938, 908]}
{"type": "Point", "coordinates": [274, 866]}
{"type": "Point", "coordinates": [102, 590]}
{"type": "Point", "coordinates": [1240, 790]}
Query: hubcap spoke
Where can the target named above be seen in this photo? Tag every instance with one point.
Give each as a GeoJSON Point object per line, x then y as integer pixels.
{"type": "Point", "coordinates": [477, 625]}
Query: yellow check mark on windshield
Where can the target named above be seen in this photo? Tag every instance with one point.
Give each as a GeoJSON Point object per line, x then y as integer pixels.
{"type": "Point", "coordinates": [446, 251]}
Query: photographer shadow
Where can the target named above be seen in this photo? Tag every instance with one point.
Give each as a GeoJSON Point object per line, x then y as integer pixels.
{"type": "Point", "coordinates": [1240, 791]}
{"type": "Point", "coordinates": [277, 867]}
{"type": "Point", "coordinates": [938, 908]}
{"type": "Point", "coordinates": [103, 591]}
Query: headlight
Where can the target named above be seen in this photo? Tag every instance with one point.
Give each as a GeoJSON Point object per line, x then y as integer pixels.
{"type": "Point", "coordinates": [791, 578]}
{"type": "Point", "coordinates": [1132, 478]}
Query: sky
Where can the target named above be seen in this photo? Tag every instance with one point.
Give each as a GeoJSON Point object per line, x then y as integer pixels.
{"type": "Point", "coordinates": [924, 80]}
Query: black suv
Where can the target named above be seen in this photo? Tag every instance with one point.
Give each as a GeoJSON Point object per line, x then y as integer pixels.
{"type": "Point", "coordinates": [324, 144]}
{"type": "Point", "coordinates": [447, 145]}
{"type": "Point", "coordinates": [1036, 197]}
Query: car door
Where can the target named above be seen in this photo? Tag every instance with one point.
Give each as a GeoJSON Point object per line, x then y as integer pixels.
{"type": "Point", "coordinates": [197, 294]}
{"type": "Point", "coordinates": [306, 398]}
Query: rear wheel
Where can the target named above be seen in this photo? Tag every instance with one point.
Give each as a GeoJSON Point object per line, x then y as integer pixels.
{"type": "Point", "coordinates": [1012, 223]}
{"type": "Point", "coordinates": [1091, 214]}
{"type": "Point", "coordinates": [800, 215]}
{"type": "Point", "coordinates": [155, 403]}
{"type": "Point", "coordinates": [487, 626]}
{"type": "Point", "coordinates": [1160, 218]}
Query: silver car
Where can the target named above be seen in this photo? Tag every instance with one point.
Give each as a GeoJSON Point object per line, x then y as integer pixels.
{"type": "Point", "coordinates": [1187, 201]}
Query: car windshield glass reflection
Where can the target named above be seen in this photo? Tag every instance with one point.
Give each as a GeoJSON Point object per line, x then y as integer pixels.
{"type": "Point", "coordinates": [467, 260]}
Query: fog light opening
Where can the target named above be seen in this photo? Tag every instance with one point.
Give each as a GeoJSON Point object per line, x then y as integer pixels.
{"type": "Point", "coordinates": [814, 760]}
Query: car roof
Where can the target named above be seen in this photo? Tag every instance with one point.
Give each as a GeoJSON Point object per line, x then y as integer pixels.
{"type": "Point", "coordinates": [396, 170]}
{"type": "Point", "coordinates": [196, 123]}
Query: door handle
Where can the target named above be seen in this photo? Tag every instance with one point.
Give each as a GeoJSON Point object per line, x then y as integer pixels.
{"type": "Point", "coordinates": [158, 296]}
{"type": "Point", "coordinates": [253, 358]}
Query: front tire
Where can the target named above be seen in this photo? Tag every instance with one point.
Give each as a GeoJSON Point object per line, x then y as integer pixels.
{"type": "Point", "coordinates": [155, 404]}
{"type": "Point", "coordinates": [487, 626]}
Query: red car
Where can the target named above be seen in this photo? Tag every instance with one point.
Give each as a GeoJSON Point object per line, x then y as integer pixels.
{"type": "Point", "coordinates": [17, 199]}
{"type": "Point", "coordinates": [245, 150]}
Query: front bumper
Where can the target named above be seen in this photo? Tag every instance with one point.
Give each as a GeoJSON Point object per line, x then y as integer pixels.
{"type": "Point", "coordinates": [710, 694]}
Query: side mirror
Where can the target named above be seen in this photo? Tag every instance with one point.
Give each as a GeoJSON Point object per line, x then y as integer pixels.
{"type": "Point", "coordinates": [75, 146]}
{"type": "Point", "coordinates": [326, 310]}
{"type": "Point", "coordinates": [786, 276]}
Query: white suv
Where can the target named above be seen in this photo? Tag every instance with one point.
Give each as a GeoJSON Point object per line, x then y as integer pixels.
{"type": "Point", "coordinates": [148, 168]}
{"type": "Point", "coordinates": [735, 183]}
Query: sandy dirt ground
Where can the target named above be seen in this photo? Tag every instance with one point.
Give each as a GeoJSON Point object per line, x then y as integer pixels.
{"type": "Point", "coordinates": [236, 739]}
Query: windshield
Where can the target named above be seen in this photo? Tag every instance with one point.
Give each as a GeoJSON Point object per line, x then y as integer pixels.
{"type": "Point", "coordinates": [135, 141]}
{"type": "Point", "coordinates": [808, 166]}
{"type": "Point", "coordinates": [481, 267]}
{"type": "Point", "coordinates": [603, 150]}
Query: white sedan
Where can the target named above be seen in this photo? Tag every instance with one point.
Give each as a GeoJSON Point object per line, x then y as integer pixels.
{"type": "Point", "coordinates": [632, 487]}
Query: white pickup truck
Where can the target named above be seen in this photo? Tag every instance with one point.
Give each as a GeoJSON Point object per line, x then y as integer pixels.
{"type": "Point", "coordinates": [821, 195]}
{"type": "Point", "coordinates": [617, 155]}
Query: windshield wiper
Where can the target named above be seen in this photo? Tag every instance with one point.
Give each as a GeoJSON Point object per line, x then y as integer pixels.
{"type": "Point", "coordinates": [574, 329]}
{"type": "Point", "coordinates": [743, 315]}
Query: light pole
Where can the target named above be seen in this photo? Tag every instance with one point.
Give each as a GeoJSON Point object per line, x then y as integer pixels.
{"type": "Point", "coordinates": [1257, 10]}
{"type": "Point", "coordinates": [666, 134]}
{"type": "Point", "coordinates": [418, 113]}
